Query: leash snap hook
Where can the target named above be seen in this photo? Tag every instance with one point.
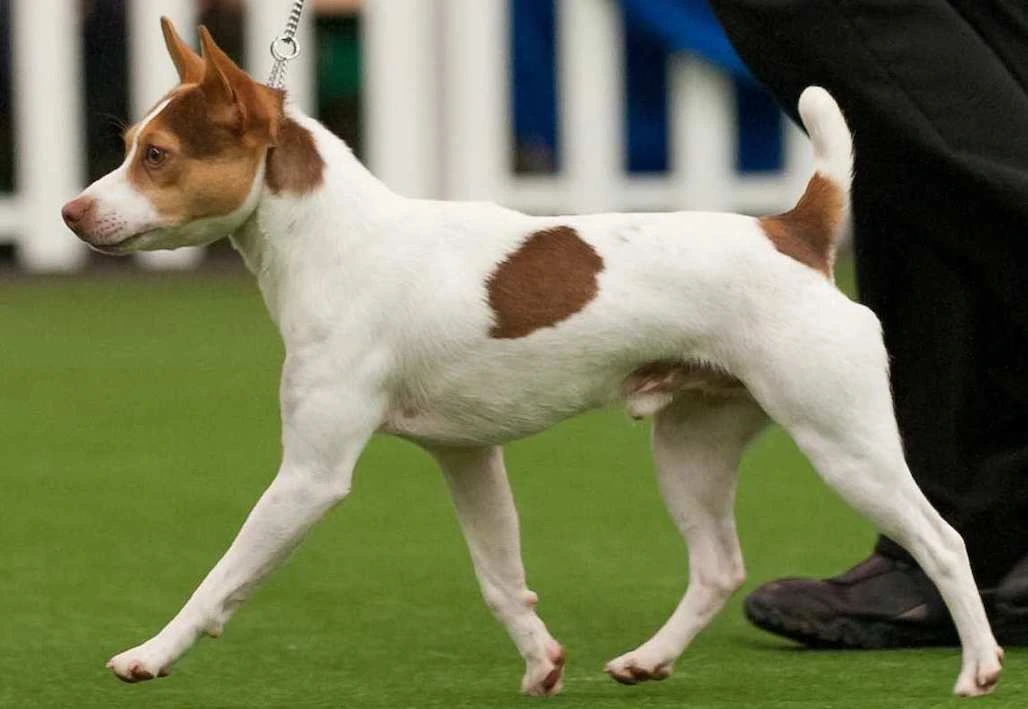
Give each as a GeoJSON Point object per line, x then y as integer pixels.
{"type": "Point", "coordinates": [285, 48]}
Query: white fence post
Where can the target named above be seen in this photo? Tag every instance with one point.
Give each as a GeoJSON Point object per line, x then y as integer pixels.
{"type": "Point", "coordinates": [151, 75]}
{"type": "Point", "coordinates": [49, 140]}
{"type": "Point", "coordinates": [703, 142]}
{"type": "Point", "coordinates": [591, 70]}
{"type": "Point", "coordinates": [476, 74]}
{"type": "Point", "coordinates": [266, 20]}
{"type": "Point", "coordinates": [151, 71]}
{"type": "Point", "coordinates": [401, 94]}
{"type": "Point", "coordinates": [10, 217]}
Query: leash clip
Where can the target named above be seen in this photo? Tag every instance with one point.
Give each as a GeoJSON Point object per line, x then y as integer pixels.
{"type": "Point", "coordinates": [285, 47]}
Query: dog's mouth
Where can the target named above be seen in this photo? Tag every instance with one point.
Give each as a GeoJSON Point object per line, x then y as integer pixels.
{"type": "Point", "coordinates": [122, 247]}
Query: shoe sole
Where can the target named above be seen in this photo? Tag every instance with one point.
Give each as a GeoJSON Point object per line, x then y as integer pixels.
{"type": "Point", "coordinates": [1009, 624]}
{"type": "Point", "coordinates": [846, 633]}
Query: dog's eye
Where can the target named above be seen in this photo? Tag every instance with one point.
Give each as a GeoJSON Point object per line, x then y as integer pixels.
{"type": "Point", "coordinates": [154, 156]}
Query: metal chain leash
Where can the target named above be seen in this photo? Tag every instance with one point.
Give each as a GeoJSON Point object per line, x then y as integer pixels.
{"type": "Point", "coordinates": [285, 47]}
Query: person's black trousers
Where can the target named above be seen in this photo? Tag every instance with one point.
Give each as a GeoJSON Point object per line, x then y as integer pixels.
{"type": "Point", "coordinates": [936, 94]}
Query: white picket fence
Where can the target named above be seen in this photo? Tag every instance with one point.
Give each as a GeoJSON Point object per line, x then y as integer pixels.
{"type": "Point", "coordinates": [438, 118]}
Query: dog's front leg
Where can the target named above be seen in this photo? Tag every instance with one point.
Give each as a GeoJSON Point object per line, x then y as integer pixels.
{"type": "Point", "coordinates": [323, 435]}
{"type": "Point", "coordinates": [485, 507]}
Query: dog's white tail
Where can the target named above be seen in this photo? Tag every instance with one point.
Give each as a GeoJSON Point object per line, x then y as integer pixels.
{"type": "Point", "coordinates": [811, 231]}
{"type": "Point", "coordinates": [833, 145]}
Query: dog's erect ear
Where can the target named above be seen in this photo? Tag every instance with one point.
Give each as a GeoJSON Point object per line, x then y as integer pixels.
{"type": "Point", "coordinates": [256, 108]}
{"type": "Point", "coordinates": [220, 72]}
{"type": "Point", "coordinates": [189, 63]}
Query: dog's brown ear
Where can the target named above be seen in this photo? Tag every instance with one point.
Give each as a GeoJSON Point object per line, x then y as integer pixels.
{"type": "Point", "coordinates": [189, 63]}
{"type": "Point", "coordinates": [219, 72]}
{"type": "Point", "coordinates": [257, 108]}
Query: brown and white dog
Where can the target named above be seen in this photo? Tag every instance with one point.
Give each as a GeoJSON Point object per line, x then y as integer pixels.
{"type": "Point", "coordinates": [463, 326]}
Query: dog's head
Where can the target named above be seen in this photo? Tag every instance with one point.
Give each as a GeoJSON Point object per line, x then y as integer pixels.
{"type": "Point", "coordinates": [194, 167]}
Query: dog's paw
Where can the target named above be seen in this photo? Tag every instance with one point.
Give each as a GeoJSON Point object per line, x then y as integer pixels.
{"type": "Point", "coordinates": [140, 664]}
{"type": "Point", "coordinates": [546, 677]}
{"type": "Point", "coordinates": [639, 666]}
{"type": "Point", "coordinates": [979, 677]}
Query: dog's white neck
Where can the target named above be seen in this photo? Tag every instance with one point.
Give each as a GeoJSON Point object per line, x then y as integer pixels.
{"type": "Point", "coordinates": [290, 237]}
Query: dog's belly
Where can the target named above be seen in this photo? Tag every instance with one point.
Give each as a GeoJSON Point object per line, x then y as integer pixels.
{"type": "Point", "coordinates": [431, 428]}
{"type": "Point", "coordinates": [509, 414]}
{"type": "Point", "coordinates": [465, 421]}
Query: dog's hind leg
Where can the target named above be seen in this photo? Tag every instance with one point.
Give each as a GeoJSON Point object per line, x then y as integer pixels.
{"type": "Point", "coordinates": [827, 384]}
{"type": "Point", "coordinates": [697, 443]}
{"type": "Point", "coordinates": [485, 507]}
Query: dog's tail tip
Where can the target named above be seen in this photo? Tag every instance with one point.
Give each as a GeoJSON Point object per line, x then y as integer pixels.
{"type": "Point", "coordinates": [833, 144]}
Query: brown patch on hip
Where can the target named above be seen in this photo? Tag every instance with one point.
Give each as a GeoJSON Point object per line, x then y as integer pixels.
{"type": "Point", "coordinates": [550, 277]}
{"type": "Point", "coordinates": [808, 232]}
{"type": "Point", "coordinates": [294, 164]}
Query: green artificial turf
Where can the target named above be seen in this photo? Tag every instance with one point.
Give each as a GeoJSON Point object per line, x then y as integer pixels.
{"type": "Point", "coordinates": [138, 424]}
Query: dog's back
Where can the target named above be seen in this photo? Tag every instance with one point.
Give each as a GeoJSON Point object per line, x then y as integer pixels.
{"type": "Point", "coordinates": [561, 314]}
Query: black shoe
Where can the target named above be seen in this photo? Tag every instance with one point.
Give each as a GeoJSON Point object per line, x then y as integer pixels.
{"type": "Point", "coordinates": [881, 603]}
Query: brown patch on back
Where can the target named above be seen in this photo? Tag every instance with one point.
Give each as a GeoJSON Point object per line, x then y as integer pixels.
{"type": "Point", "coordinates": [294, 165]}
{"type": "Point", "coordinates": [548, 279]}
{"type": "Point", "coordinates": [808, 231]}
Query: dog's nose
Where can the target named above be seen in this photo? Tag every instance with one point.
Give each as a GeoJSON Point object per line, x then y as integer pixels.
{"type": "Point", "coordinates": [76, 211]}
